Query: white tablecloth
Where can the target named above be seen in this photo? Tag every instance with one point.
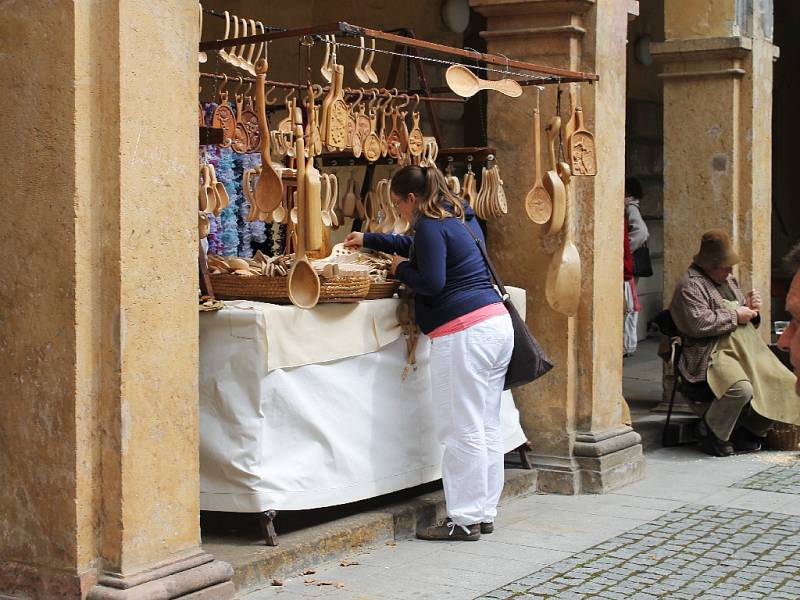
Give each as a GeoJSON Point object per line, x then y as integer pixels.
{"type": "Point", "coordinates": [313, 435]}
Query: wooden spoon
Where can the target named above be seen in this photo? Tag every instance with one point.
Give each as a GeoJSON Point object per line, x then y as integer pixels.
{"type": "Point", "coordinates": [333, 206]}
{"type": "Point", "coordinates": [538, 202]}
{"type": "Point", "coordinates": [311, 217]}
{"type": "Point", "coordinates": [465, 83]}
{"type": "Point", "coordinates": [303, 281]}
{"type": "Point", "coordinates": [552, 182]}
{"type": "Point", "coordinates": [269, 188]}
{"type": "Point", "coordinates": [350, 198]}
{"type": "Point", "coordinates": [359, 71]}
{"type": "Point", "coordinates": [564, 173]}
{"type": "Point", "coordinates": [373, 76]}
{"type": "Point", "coordinates": [563, 284]}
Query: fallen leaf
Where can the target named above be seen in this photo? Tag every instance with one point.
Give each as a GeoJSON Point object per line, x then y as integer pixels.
{"type": "Point", "coordinates": [277, 582]}
{"type": "Point", "coordinates": [309, 571]}
{"type": "Point", "coordinates": [348, 563]}
{"type": "Point", "coordinates": [337, 584]}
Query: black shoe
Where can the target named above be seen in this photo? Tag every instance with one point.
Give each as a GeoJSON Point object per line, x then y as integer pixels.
{"type": "Point", "coordinates": [448, 531]}
{"type": "Point", "coordinates": [744, 440]}
{"type": "Point", "coordinates": [710, 443]}
{"type": "Point", "coordinates": [487, 527]}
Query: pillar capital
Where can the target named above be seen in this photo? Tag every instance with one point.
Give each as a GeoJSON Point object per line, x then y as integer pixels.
{"type": "Point", "coordinates": [501, 8]}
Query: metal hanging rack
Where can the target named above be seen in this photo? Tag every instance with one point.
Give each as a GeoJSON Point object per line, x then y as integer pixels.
{"type": "Point", "coordinates": [538, 74]}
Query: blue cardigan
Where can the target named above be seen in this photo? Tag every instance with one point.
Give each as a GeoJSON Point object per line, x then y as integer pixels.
{"type": "Point", "coordinates": [445, 268]}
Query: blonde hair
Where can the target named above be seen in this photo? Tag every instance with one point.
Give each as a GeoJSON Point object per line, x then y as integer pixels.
{"type": "Point", "coordinates": [434, 198]}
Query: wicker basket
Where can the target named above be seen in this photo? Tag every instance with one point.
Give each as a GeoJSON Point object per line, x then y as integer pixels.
{"type": "Point", "coordinates": [385, 289]}
{"type": "Point", "coordinates": [783, 436]}
{"type": "Point", "coordinates": [258, 287]}
{"type": "Point", "coordinates": [343, 288]}
{"type": "Point", "coordinates": [276, 289]}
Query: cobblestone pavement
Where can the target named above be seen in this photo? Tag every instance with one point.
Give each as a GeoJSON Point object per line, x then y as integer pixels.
{"type": "Point", "coordinates": [701, 552]}
{"type": "Point", "coordinates": [781, 479]}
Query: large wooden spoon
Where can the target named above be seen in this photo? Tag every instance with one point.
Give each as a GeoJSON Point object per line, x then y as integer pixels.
{"type": "Point", "coordinates": [303, 279]}
{"type": "Point", "coordinates": [538, 202]}
{"type": "Point", "coordinates": [466, 84]}
{"type": "Point", "coordinates": [564, 173]}
{"type": "Point", "coordinates": [563, 284]}
{"type": "Point", "coordinates": [269, 188]}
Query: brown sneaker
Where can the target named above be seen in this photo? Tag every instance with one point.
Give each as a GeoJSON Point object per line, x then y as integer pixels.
{"type": "Point", "coordinates": [450, 532]}
{"type": "Point", "coordinates": [487, 527]}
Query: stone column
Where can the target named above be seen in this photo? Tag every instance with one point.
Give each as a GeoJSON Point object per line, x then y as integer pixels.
{"type": "Point", "coordinates": [98, 311]}
{"type": "Point", "coordinates": [717, 72]}
{"type": "Point", "coordinates": [574, 415]}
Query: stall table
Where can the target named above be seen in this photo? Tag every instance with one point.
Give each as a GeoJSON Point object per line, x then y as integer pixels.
{"type": "Point", "coordinates": [303, 409]}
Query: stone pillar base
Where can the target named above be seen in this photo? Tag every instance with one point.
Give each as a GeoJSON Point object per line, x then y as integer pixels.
{"type": "Point", "coordinates": [198, 577]}
{"type": "Point", "coordinates": [603, 461]}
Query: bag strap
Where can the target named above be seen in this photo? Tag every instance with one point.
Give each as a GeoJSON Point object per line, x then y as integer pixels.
{"type": "Point", "coordinates": [488, 261]}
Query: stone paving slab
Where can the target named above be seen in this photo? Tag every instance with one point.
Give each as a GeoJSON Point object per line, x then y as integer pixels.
{"type": "Point", "coordinates": [691, 552]}
{"type": "Point", "coordinates": [783, 479]}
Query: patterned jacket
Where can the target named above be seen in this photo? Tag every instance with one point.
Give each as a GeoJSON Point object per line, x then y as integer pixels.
{"type": "Point", "coordinates": [700, 313]}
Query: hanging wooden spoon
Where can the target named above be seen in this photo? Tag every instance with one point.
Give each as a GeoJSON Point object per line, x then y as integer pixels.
{"type": "Point", "coordinates": [563, 283]}
{"type": "Point", "coordinates": [334, 207]}
{"type": "Point", "coordinates": [559, 199]}
{"type": "Point", "coordinates": [466, 84]}
{"type": "Point", "coordinates": [202, 196]}
{"type": "Point", "coordinates": [372, 143]}
{"type": "Point", "coordinates": [359, 71]}
{"type": "Point", "coordinates": [538, 202]}
{"type": "Point", "coordinates": [222, 53]}
{"type": "Point", "coordinates": [416, 142]}
{"type": "Point", "coordinates": [249, 119]}
{"type": "Point", "coordinates": [373, 76]}
{"type": "Point", "coordinates": [303, 281]}
{"type": "Point", "coordinates": [350, 198]}
{"type": "Point", "coordinates": [269, 188]}
{"type": "Point", "coordinates": [551, 181]}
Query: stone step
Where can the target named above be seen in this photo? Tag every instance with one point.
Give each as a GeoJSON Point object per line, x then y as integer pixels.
{"type": "Point", "coordinates": [256, 565]}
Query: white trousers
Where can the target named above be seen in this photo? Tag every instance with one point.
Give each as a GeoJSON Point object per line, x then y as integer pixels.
{"type": "Point", "coordinates": [467, 373]}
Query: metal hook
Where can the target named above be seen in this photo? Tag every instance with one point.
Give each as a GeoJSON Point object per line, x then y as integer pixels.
{"type": "Point", "coordinates": [238, 87]}
{"type": "Point", "coordinates": [504, 56]}
{"type": "Point", "coordinates": [249, 87]}
{"type": "Point", "coordinates": [416, 103]}
{"type": "Point", "coordinates": [221, 87]}
{"type": "Point", "coordinates": [407, 100]}
{"type": "Point", "coordinates": [267, 100]}
{"type": "Point", "coordinates": [290, 94]}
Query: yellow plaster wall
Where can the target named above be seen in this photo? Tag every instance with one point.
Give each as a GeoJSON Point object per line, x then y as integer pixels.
{"type": "Point", "coordinates": [699, 19]}
{"type": "Point", "coordinates": [98, 445]}
{"type": "Point", "coordinates": [37, 298]}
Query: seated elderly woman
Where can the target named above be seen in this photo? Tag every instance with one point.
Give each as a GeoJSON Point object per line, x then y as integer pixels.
{"type": "Point", "coordinates": [721, 347]}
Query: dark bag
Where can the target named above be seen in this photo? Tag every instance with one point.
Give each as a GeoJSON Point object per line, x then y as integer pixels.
{"type": "Point", "coordinates": [528, 360]}
{"type": "Point", "coordinates": [642, 265]}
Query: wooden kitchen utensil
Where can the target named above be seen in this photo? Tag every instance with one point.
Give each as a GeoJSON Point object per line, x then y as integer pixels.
{"type": "Point", "coordinates": [372, 143]}
{"type": "Point", "coordinates": [538, 202]}
{"type": "Point", "coordinates": [416, 142]}
{"type": "Point", "coordinates": [311, 218]}
{"type": "Point", "coordinates": [269, 188]}
{"type": "Point", "coordinates": [563, 283]}
{"type": "Point", "coordinates": [303, 281]}
{"type": "Point", "coordinates": [241, 140]}
{"type": "Point", "coordinates": [336, 133]}
{"type": "Point", "coordinates": [583, 160]}
{"type": "Point", "coordinates": [249, 120]}
{"type": "Point", "coordinates": [350, 198]}
{"type": "Point", "coordinates": [551, 181]}
{"type": "Point", "coordinates": [559, 199]}
{"type": "Point", "coordinates": [570, 126]}
{"type": "Point", "coordinates": [223, 117]}
{"type": "Point", "coordinates": [370, 72]}
{"type": "Point", "coordinates": [465, 83]}
{"type": "Point", "coordinates": [361, 75]}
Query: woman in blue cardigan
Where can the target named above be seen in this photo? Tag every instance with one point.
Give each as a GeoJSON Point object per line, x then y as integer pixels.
{"type": "Point", "coordinates": [471, 342]}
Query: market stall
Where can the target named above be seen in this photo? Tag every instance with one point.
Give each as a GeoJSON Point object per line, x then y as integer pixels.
{"type": "Point", "coordinates": [314, 386]}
